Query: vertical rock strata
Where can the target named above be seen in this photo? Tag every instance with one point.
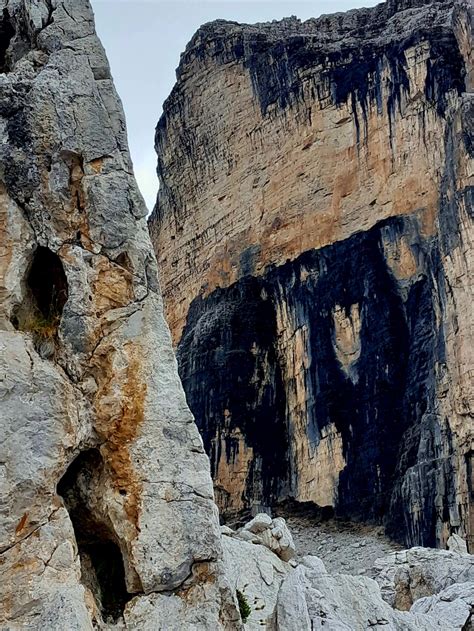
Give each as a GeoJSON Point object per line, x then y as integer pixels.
{"type": "Point", "coordinates": [314, 232]}
{"type": "Point", "coordinates": [106, 504]}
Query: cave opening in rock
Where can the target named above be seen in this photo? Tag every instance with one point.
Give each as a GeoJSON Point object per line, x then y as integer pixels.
{"type": "Point", "coordinates": [48, 284]}
{"type": "Point", "coordinates": [6, 33]}
{"type": "Point", "coordinates": [102, 565]}
{"type": "Point", "coordinates": [46, 293]}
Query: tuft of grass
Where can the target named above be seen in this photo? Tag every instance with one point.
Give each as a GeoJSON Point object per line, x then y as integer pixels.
{"type": "Point", "coordinates": [44, 329]}
{"type": "Point", "coordinates": [41, 327]}
{"type": "Point", "coordinates": [244, 607]}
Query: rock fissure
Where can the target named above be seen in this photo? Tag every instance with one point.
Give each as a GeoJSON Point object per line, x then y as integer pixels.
{"type": "Point", "coordinates": [102, 563]}
{"type": "Point", "coordinates": [6, 549]}
{"type": "Point", "coordinates": [6, 34]}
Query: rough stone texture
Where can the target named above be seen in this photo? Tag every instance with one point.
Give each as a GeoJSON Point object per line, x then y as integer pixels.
{"type": "Point", "coordinates": [194, 607]}
{"type": "Point", "coordinates": [344, 547]}
{"type": "Point", "coordinates": [406, 576]}
{"type": "Point", "coordinates": [314, 232]}
{"type": "Point", "coordinates": [310, 598]}
{"type": "Point", "coordinates": [453, 607]}
{"type": "Point", "coordinates": [305, 596]}
{"type": "Point", "coordinates": [271, 533]}
{"type": "Point", "coordinates": [457, 544]}
{"type": "Point", "coordinates": [257, 573]}
{"type": "Point", "coordinates": [104, 483]}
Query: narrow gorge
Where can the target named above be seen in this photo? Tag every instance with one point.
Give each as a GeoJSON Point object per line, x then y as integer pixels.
{"type": "Point", "coordinates": [313, 231]}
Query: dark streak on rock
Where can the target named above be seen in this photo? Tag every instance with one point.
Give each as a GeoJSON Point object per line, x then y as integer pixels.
{"type": "Point", "coordinates": [233, 376]}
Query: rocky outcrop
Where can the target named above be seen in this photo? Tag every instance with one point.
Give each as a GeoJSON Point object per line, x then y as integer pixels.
{"type": "Point", "coordinates": [283, 596]}
{"type": "Point", "coordinates": [453, 607]}
{"type": "Point", "coordinates": [257, 573]}
{"type": "Point", "coordinates": [107, 512]}
{"type": "Point", "coordinates": [310, 598]}
{"type": "Point", "coordinates": [314, 235]}
{"type": "Point", "coordinates": [268, 532]}
{"type": "Point", "coordinates": [406, 576]}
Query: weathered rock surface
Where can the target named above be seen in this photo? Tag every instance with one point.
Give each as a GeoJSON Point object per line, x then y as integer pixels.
{"type": "Point", "coordinates": [344, 547]}
{"type": "Point", "coordinates": [452, 608]}
{"type": "Point", "coordinates": [310, 598]}
{"type": "Point", "coordinates": [314, 234]}
{"type": "Point", "coordinates": [457, 544]}
{"type": "Point", "coordinates": [105, 488]}
{"type": "Point", "coordinates": [257, 573]}
{"type": "Point", "coordinates": [305, 596]}
{"type": "Point", "coordinates": [406, 576]}
{"type": "Point", "coordinates": [271, 533]}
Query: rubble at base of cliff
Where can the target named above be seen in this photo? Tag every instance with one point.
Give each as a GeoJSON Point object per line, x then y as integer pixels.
{"type": "Point", "coordinates": [419, 589]}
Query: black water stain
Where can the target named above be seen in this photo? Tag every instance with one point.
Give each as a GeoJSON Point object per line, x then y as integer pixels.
{"type": "Point", "coordinates": [233, 371]}
{"type": "Point", "coordinates": [232, 380]}
{"type": "Point", "coordinates": [6, 34]}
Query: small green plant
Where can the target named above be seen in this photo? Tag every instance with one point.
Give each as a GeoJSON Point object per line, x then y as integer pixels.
{"type": "Point", "coordinates": [244, 606]}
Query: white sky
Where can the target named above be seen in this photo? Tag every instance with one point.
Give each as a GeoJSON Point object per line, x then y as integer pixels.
{"type": "Point", "coordinates": [144, 39]}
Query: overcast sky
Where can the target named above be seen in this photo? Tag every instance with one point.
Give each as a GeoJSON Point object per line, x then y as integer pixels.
{"type": "Point", "coordinates": [144, 39]}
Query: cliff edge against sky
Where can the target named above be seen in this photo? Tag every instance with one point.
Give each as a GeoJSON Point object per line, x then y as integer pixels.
{"type": "Point", "coordinates": [313, 230]}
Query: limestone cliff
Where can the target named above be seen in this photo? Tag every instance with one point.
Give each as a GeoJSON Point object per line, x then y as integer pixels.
{"type": "Point", "coordinates": [107, 512]}
{"type": "Point", "coordinates": [314, 235]}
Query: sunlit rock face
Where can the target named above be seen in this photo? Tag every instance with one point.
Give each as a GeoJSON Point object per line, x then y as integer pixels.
{"type": "Point", "coordinates": [105, 489]}
{"type": "Point", "coordinates": [314, 232]}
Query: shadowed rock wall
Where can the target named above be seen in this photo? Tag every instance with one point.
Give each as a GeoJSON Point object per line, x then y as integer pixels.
{"type": "Point", "coordinates": [314, 232]}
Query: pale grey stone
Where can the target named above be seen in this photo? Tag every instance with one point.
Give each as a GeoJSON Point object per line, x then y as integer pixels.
{"type": "Point", "coordinates": [310, 599]}
{"type": "Point", "coordinates": [457, 544]}
{"type": "Point", "coordinates": [257, 573]}
{"type": "Point", "coordinates": [410, 574]}
{"type": "Point", "coordinates": [453, 606]}
{"type": "Point", "coordinates": [259, 523]}
{"type": "Point", "coordinates": [271, 533]}
{"type": "Point", "coordinates": [225, 530]}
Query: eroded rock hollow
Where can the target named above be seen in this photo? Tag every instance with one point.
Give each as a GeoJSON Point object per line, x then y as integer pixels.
{"type": "Point", "coordinates": [314, 234]}
{"type": "Point", "coordinates": [107, 513]}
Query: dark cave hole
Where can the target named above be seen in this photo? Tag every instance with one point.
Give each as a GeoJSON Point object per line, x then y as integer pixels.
{"type": "Point", "coordinates": [46, 293]}
{"type": "Point", "coordinates": [6, 33]}
{"type": "Point", "coordinates": [48, 284]}
{"type": "Point", "coordinates": [102, 563]}
{"type": "Point", "coordinates": [124, 261]}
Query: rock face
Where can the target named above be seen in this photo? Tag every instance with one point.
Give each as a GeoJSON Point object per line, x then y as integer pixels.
{"type": "Point", "coordinates": [314, 234]}
{"type": "Point", "coordinates": [436, 588]}
{"type": "Point", "coordinates": [406, 576]}
{"type": "Point", "coordinates": [105, 488]}
{"type": "Point", "coordinates": [310, 598]}
{"type": "Point", "coordinates": [257, 573]}
{"type": "Point", "coordinates": [265, 531]}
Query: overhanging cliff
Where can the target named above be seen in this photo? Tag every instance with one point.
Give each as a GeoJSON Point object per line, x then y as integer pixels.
{"type": "Point", "coordinates": [314, 235]}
